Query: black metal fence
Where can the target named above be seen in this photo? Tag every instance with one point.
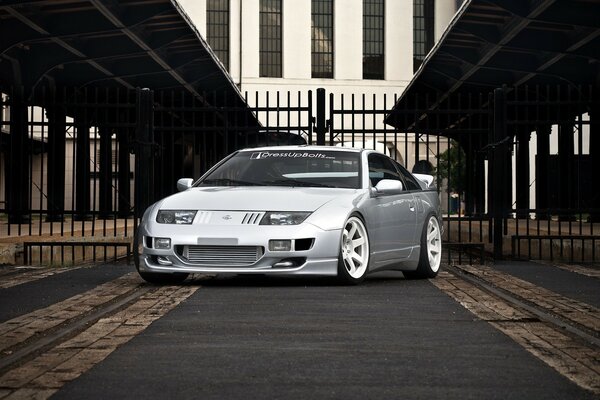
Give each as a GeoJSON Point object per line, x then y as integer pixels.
{"type": "Point", "coordinates": [514, 167]}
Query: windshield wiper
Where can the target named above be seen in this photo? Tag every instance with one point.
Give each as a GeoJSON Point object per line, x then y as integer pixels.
{"type": "Point", "coordinates": [294, 182]}
{"type": "Point", "coordinates": [229, 182]}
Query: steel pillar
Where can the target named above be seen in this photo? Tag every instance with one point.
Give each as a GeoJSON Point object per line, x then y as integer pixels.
{"type": "Point", "coordinates": [124, 181]}
{"type": "Point", "coordinates": [82, 170]}
{"type": "Point", "coordinates": [541, 171]}
{"type": "Point", "coordinates": [57, 127]}
{"type": "Point", "coordinates": [105, 174]}
{"type": "Point", "coordinates": [566, 152]}
{"type": "Point", "coordinates": [144, 156]}
{"type": "Point", "coordinates": [522, 171]}
{"type": "Point", "coordinates": [498, 189]}
{"type": "Point", "coordinates": [18, 162]}
{"type": "Point", "coordinates": [321, 128]}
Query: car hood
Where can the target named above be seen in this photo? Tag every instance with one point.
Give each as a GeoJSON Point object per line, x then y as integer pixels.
{"type": "Point", "coordinates": [239, 198]}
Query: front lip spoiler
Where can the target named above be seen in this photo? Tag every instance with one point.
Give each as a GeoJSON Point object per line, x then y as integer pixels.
{"type": "Point", "coordinates": [327, 266]}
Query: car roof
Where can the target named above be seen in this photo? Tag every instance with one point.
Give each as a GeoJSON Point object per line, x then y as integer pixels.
{"type": "Point", "coordinates": [305, 147]}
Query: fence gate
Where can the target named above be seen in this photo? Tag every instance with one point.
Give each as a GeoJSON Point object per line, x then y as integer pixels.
{"type": "Point", "coordinates": [514, 166]}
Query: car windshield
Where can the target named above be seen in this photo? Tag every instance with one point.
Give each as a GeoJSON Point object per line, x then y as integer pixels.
{"type": "Point", "coordinates": [306, 168]}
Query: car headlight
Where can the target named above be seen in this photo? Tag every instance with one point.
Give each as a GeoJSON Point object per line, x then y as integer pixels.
{"type": "Point", "coordinates": [175, 216]}
{"type": "Point", "coordinates": [284, 218]}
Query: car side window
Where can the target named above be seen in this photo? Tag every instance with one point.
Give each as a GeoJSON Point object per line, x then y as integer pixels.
{"type": "Point", "coordinates": [411, 182]}
{"type": "Point", "coordinates": [381, 167]}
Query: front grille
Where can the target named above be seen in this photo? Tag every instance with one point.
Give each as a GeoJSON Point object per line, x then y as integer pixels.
{"type": "Point", "coordinates": [233, 256]}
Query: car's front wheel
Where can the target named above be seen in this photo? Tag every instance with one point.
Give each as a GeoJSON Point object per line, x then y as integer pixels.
{"type": "Point", "coordinates": [150, 277]}
{"type": "Point", "coordinates": [354, 252]}
{"type": "Point", "coordinates": [430, 256]}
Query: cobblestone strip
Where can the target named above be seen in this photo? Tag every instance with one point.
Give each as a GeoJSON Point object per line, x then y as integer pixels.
{"type": "Point", "coordinates": [30, 276]}
{"type": "Point", "coordinates": [577, 361]}
{"type": "Point", "coordinates": [21, 328]}
{"type": "Point", "coordinates": [46, 374]}
{"type": "Point", "coordinates": [564, 307]}
{"type": "Point", "coordinates": [592, 272]}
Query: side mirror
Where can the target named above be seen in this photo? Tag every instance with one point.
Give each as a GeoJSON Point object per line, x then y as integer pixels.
{"type": "Point", "coordinates": [387, 186]}
{"type": "Point", "coordinates": [184, 184]}
{"type": "Point", "coordinates": [426, 179]}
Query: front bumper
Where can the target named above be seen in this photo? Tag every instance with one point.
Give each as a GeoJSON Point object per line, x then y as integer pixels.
{"type": "Point", "coordinates": [320, 259]}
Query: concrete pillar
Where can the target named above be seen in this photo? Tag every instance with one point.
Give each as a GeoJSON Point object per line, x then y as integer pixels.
{"type": "Point", "coordinates": [18, 163]}
{"type": "Point", "coordinates": [522, 172]}
{"type": "Point", "coordinates": [57, 127]}
{"type": "Point", "coordinates": [82, 170]}
{"type": "Point", "coordinates": [541, 171]}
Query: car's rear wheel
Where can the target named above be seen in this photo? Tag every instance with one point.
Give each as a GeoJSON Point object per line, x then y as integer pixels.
{"type": "Point", "coordinates": [151, 277]}
{"type": "Point", "coordinates": [354, 252]}
{"type": "Point", "coordinates": [430, 256]}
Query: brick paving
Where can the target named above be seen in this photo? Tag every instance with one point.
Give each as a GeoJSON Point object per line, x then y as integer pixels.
{"type": "Point", "coordinates": [11, 277]}
{"type": "Point", "coordinates": [43, 376]}
{"type": "Point", "coordinates": [576, 311]}
{"type": "Point", "coordinates": [17, 330]}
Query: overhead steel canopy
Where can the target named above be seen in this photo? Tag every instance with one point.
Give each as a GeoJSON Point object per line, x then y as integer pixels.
{"type": "Point", "coordinates": [491, 43]}
{"type": "Point", "coordinates": [107, 43]}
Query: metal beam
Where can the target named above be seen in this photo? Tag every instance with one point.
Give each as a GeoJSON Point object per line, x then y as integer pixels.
{"type": "Point", "coordinates": [107, 11]}
{"type": "Point", "coordinates": [61, 43]}
{"type": "Point", "coordinates": [507, 34]}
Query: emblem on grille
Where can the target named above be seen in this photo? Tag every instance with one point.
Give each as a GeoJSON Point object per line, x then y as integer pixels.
{"type": "Point", "coordinates": [226, 217]}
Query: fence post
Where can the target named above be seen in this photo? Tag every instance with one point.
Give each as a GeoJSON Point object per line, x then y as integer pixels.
{"type": "Point", "coordinates": [321, 127]}
{"type": "Point", "coordinates": [498, 190]}
{"type": "Point", "coordinates": [144, 152]}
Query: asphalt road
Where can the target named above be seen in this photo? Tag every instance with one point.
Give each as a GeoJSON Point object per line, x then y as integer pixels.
{"type": "Point", "coordinates": [277, 338]}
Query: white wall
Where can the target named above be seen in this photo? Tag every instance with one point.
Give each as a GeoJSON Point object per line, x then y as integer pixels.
{"type": "Point", "coordinates": [444, 11]}
{"type": "Point", "coordinates": [296, 40]}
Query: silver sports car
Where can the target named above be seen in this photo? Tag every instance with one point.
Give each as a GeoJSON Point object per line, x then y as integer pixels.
{"type": "Point", "coordinates": [295, 210]}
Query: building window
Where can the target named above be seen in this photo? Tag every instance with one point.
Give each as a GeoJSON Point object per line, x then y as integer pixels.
{"type": "Point", "coordinates": [422, 30]}
{"type": "Point", "coordinates": [322, 38]}
{"type": "Point", "coordinates": [373, 39]}
{"type": "Point", "coordinates": [217, 29]}
{"type": "Point", "coordinates": [270, 38]}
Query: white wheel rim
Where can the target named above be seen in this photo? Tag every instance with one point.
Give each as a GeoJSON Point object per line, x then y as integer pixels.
{"type": "Point", "coordinates": [434, 244]}
{"type": "Point", "coordinates": [355, 248]}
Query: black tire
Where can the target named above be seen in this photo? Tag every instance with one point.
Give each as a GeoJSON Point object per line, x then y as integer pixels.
{"type": "Point", "coordinates": [151, 277]}
{"type": "Point", "coordinates": [348, 272]}
{"type": "Point", "coordinates": [425, 269]}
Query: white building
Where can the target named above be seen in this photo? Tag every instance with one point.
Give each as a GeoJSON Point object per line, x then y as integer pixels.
{"type": "Point", "coordinates": [347, 47]}
{"type": "Point", "coordinates": [385, 25]}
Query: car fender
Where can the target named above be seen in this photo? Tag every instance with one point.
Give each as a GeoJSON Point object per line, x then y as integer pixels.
{"type": "Point", "coordinates": [333, 214]}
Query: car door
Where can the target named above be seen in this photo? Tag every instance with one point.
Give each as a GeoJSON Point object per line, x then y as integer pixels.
{"type": "Point", "coordinates": [391, 218]}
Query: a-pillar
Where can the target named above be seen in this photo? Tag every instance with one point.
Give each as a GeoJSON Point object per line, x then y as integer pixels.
{"type": "Point", "coordinates": [542, 194]}
{"type": "Point", "coordinates": [595, 159]}
{"type": "Point", "coordinates": [105, 174]}
{"type": "Point", "coordinates": [522, 174]}
{"type": "Point", "coordinates": [566, 151]}
{"type": "Point", "coordinates": [124, 181]}
{"type": "Point", "coordinates": [82, 171]}
{"type": "Point", "coordinates": [18, 175]}
{"type": "Point", "coordinates": [57, 126]}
